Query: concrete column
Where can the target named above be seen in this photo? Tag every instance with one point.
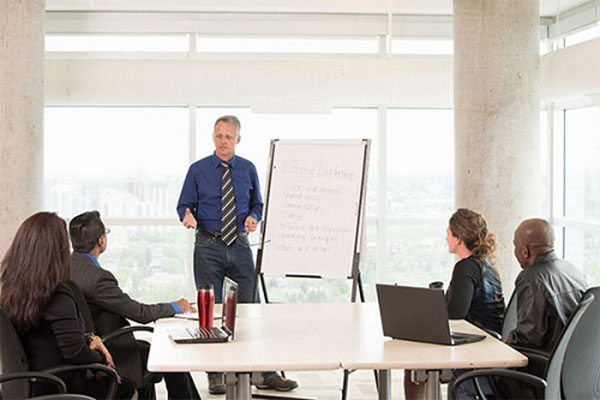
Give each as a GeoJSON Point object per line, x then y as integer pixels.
{"type": "Point", "coordinates": [497, 109]}
{"type": "Point", "coordinates": [21, 113]}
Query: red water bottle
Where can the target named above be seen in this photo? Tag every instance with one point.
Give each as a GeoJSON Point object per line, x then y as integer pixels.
{"type": "Point", "coordinates": [206, 303]}
{"type": "Point", "coordinates": [210, 302]}
{"type": "Point", "coordinates": [201, 307]}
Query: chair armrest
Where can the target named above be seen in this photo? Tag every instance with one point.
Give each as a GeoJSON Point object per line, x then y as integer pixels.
{"type": "Point", "coordinates": [492, 333]}
{"type": "Point", "coordinates": [65, 396]}
{"type": "Point", "coordinates": [505, 373]}
{"type": "Point", "coordinates": [537, 355]}
{"type": "Point", "coordinates": [122, 331]}
{"type": "Point", "coordinates": [59, 383]}
{"type": "Point", "coordinates": [112, 374]}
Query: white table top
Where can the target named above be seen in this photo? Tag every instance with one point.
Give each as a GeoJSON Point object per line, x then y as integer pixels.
{"type": "Point", "coordinates": [259, 345]}
{"type": "Point", "coordinates": [353, 331]}
{"type": "Point", "coordinates": [320, 337]}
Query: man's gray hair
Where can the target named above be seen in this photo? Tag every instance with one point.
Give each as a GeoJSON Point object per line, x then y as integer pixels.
{"type": "Point", "coordinates": [230, 119]}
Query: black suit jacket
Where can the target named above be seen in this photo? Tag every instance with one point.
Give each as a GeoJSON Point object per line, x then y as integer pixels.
{"type": "Point", "coordinates": [58, 338]}
{"type": "Point", "coordinates": [111, 308]}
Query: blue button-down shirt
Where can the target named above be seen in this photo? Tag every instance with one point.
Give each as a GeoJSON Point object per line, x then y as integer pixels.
{"type": "Point", "coordinates": [201, 192]}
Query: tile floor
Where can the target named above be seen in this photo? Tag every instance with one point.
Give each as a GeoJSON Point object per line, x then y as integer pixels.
{"type": "Point", "coordinates": [322, 385]}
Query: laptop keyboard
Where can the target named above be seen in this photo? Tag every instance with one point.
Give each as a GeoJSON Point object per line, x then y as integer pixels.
{"type": "Point", "coordinates": [202, 333]}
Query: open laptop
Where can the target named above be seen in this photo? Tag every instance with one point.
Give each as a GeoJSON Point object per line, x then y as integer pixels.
{"type": "Point", "coordinates": [418, 314]}
{"type": "Point", "coordinates": [224, 333]}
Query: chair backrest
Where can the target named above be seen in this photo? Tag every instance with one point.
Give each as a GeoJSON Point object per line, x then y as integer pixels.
{"type": "Point", "coordinates": [82, 306]}
{"type": "Point", "coordinates": [581, 368]}
{"type": "Point", "coordinates": [557, 365]}
{"type": "Point", "coordinates": [12, 360]}
{"type": "Point", "coordinates": [510, 315]}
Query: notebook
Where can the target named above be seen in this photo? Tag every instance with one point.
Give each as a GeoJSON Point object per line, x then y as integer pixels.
{"type": "Point", "coordinates": [418, 314]}
{"type": "Point", "coordinates": [224, 333]}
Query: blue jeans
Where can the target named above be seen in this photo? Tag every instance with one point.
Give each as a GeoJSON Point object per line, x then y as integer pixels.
{"type": "Point", "coordinates": [214, 260]}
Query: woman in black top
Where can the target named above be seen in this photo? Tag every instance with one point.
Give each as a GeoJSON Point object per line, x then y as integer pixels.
{"type": "Point", "coordinates": [43, 310]}
{"type": "Point", "coordinates": [475, 291]}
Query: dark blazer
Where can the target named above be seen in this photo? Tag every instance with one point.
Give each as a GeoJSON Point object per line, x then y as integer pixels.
{"type": "Point", "coordinates": [110, 308]}
{"type": "Point", "coordinates": [547, 294]}
{"type": "Point", "coordinates": [58, 338]}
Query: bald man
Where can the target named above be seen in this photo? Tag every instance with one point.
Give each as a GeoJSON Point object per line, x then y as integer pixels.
{"type": "Point", "coordinates": [548, 288]}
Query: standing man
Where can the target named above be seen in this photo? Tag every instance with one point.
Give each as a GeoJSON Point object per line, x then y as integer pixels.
{"type": "Point", "coordinates": [221, 200]}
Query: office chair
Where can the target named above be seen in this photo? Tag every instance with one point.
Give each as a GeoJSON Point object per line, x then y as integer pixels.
{"type": "Point", "coordinates": [15, 377]}
{"type": "Point", "coordinates": [572, 368]}
{"type": "Point", "coordinates": [147, 377]}
{"type": "Point", "coordinates": [64, 396]}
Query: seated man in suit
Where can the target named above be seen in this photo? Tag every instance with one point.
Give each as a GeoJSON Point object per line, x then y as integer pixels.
{"type": "Point", "coordinates": [548, 290]}
{"type": "Point", "coordinates": [111, 307]}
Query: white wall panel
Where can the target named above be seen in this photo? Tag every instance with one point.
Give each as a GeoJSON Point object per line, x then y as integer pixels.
{"type": "Point", "coordinates": [401, 82]}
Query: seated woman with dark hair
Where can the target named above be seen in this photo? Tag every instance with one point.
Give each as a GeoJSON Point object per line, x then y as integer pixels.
{"type": "Point", "coordinates": [42, 308]}
{"type": "Point", "coordinates": [475, 291]}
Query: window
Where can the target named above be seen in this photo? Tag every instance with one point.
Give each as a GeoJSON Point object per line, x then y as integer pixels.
{"type": "Point", "coordinates": [286, 45]}
{"type": "Point", "coordinates": [420, 192]}
{"type": "Point", "coordinates": [128, 163]}
{"type": "Point", "coordinates": [413, 46]}
{"type": "Point", "coordinates": [582, 248]}
{"type": "Point", "coordinates": [582, 164]}
{"type": "Point", "coordinates": [584, 35]}
{"type": "Point", "coordinates": [420, 153]}
{"type": "Point", "coordinates": [117, 43]}
{"type": "Point", "coordinates": [579, 218]}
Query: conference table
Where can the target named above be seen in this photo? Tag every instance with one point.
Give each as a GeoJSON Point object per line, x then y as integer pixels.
{"type": "Point", "coordinates": [302, 337]}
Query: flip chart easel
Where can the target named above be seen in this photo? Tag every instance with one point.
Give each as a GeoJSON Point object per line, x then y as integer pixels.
{"type": "Point", "coordinates": [314, 209]}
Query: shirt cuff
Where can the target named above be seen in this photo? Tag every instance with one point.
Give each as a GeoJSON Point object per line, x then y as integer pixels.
{"type": "Point", "coordinates": [253, 215]}
{"type": "Point", "coordinates": [175, 307]}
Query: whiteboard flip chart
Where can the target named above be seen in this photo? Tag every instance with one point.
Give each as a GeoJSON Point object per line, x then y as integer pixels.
{"type": "Point", "coordinates": [314, 195]}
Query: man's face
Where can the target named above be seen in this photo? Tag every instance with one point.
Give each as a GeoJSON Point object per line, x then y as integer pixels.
{"type": "Point", "coordinates": [225, 138]}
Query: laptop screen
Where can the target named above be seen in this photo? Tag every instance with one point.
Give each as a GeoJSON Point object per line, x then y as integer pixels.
{"type": "Point", "coordinates": [230, 293]}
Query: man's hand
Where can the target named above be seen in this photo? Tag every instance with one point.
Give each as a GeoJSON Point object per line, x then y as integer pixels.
{"type": "Point", "coordinates": [250, 224]}
{"type": "Point", "coordinates": [189, 221]}
{"type": "Point", "coordinates": [185, 305]}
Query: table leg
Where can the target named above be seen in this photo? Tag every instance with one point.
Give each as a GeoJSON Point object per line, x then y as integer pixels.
{"type": "Point", "coordinates": [230, 382]}
{"type": "Point", "coordinates": [432, 385]}
{"type": "Point", "coordinates": [243, 387]}
{"type": "Point", "coordinates": [385, 383]}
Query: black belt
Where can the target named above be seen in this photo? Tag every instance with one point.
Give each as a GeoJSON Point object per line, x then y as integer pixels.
{"type": "Point", "coordinates": [217, 235]}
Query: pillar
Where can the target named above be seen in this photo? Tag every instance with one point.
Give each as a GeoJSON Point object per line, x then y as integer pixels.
{"type": "Point", "coordinates": [497, 110]}
{"type": "Point", "coordinates": [21, 113]}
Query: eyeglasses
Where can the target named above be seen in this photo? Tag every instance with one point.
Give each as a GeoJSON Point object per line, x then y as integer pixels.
{"type": "Point", "coordinates": [107, 231]}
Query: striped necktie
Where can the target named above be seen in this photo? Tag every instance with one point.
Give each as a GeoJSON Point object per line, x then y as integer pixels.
{"type": "Point", "coordinates": [228, 216]}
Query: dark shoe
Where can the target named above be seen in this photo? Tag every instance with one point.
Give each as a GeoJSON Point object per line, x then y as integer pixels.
{"type": "Point", "coordinates": [276, 382]}
{"type": "Point", "coordinates": [216, 385]}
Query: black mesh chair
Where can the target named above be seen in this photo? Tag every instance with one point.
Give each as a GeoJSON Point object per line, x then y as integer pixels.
{"type": "Point", "coordinates": [510, 319]}
{"type": "Point", "coordinates": [15, 377]}
{"type": "Point", "coordinates": [572, 368]}
{"type": "Point", "coordinates": [147, 377]}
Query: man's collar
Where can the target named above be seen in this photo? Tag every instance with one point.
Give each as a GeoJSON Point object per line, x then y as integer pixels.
{"type": "Point", "coordinates": [550, 255]}
{"type": "Point", "coordinates": [91, 257]}
{"type": "Point", "coordinates": [216, 161]}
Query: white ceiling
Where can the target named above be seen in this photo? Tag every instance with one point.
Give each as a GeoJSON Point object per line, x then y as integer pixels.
{"type": "Point", "coordinates": [548, 8]}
